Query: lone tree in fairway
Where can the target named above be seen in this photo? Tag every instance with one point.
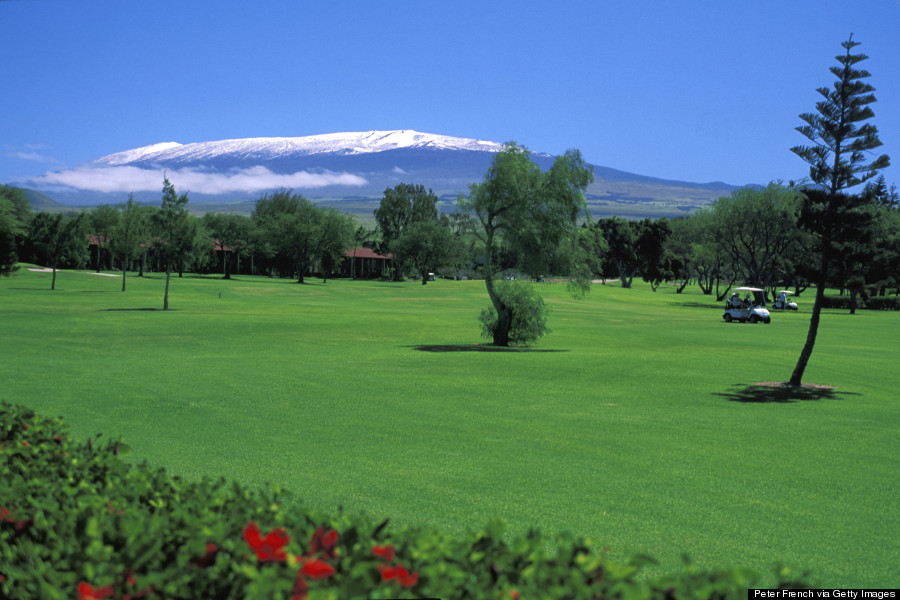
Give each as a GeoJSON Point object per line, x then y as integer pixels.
{"type": "Point", "coordinates": [837, 161]}
{"type": "Point", "coordinates": [173, 229]}
{"type": "Point", "coordinates": [534, 213]}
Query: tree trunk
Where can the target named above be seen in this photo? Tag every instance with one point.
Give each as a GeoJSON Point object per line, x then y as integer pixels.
{"type": "Point", "coordinates": [166, 296]}
{"type": "Point", "coordinates": [124, 264]}
{"type": "Point", "coordinates": [53, 281]}
{"type": "Point", "coordinates": [504, 317]}
{"type": "Point", "coordinates": [504, 322]}
{"type": "Point", "coordinates": [797, 376]}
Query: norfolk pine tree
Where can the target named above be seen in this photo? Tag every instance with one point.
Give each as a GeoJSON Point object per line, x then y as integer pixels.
{"type": "Point", "coordinates": [171, 225]}
{"type": "Point", "coordinates": [838, 161]}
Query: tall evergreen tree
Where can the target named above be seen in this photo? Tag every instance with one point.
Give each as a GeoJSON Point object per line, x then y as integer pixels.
{"type": "Point", "coordinates": [172, 228]}
{"type": "Point", "coordinates": [838, 159]}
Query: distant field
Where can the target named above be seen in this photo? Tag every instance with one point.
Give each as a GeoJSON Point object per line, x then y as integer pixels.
{"type": "Point", "coordinates": [634, 422]}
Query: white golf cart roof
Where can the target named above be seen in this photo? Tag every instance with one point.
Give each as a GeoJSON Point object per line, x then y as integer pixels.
{"type": "Point", "coordinates": [785, 292]}
{"type": "Point", "coordinates": [747, 289]}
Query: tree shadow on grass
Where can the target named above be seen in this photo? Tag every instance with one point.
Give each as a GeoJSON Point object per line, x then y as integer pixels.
{"type": "Point", "coordinates": [131, 309]}
{"type": "Point", "coordinates": [692, 304]}
{"type": "Point", "coordinates": [476, 348]}
{"type": "Point", "coordinates": [781, 393]}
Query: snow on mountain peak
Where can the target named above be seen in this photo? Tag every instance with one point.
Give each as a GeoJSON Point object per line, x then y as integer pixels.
{"type": "Point", "coordinates": [347, 143]}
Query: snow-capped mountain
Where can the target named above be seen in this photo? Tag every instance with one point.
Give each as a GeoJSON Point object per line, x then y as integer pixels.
{"type": "Point", "coordinates": [278, 148]}
{"type": "Point", "coordinates": [350, 170]}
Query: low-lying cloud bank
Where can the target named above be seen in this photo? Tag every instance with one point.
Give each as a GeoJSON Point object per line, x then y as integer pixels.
{"type": "Point", "coordinates": [136, 179]}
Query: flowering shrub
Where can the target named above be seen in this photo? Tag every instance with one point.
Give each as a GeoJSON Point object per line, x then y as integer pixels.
{"type": "Point", "coordinates": [77, 522]}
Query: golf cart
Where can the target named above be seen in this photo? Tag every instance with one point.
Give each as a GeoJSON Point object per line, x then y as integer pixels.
{"type": "Point", "coordinates": [752, 308]}
{"type": "Point", "coordinates": [783, 303]}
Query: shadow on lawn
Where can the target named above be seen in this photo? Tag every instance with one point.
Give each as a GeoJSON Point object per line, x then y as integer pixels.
{"type": "Point", "coordinates": [781, 393]}
{"type": "Point", "coordinates": [129, 309]}
{"type": "Point", "coordinates": [699, 304]}
{"type": "Point", "coordinates": [475, 348]}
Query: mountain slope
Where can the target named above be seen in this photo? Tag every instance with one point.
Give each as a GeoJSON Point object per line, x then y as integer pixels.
{"type": "Point", "coordinates": [351, 170]}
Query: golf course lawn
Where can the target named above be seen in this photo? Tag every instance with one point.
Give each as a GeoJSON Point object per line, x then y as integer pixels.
{"type": "Point", "coordinates": [634, 422]}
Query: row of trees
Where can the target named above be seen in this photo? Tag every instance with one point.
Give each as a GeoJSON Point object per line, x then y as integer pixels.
{"type": "Point", "coordinates": [287, 231]}
{"type": "Point", "coordinates": [760, 237]}
{"type": "Point", "coordinates": [521, 216]}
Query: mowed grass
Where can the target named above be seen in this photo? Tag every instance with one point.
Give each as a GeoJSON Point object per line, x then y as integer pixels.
{"type": "Point", "coordinates": [634, 422]}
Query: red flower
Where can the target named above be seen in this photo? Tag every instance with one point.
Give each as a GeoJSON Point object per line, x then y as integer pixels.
{"type": "Point", "coordinates": [400, 574]}
{"type": "Point", "coordinates": [269, 548]}
{"type": "Point", "coordinates": [326, 543]}
{"type": "Point", "coordinates": [57, 439]}
{"type": "Point", "coordinates": [207, 559]}
{"type": "Point", "coordinates": [87, 592]}
{"type": "Point", "coordinates": [300, 589]}
{"type": "Point", "coordinates": [24, 443]}
{"type": "Point", "coordinates": [317, 569]}
{"type": "Point", "coordinates": [386, 552]}
{"type": "Point", "coordinates": [514, 594]}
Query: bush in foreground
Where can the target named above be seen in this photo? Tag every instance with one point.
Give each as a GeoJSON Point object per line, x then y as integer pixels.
{"type": "Point", "coordinates": [528, 313]}
{"type": "Point", "coordinates": [78, 522]}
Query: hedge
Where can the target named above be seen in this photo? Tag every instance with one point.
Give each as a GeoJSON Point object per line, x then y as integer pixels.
{"type": "Point", "coordinates": [870, 303]}
{"type": "Point", "coordinates": [76, 521]}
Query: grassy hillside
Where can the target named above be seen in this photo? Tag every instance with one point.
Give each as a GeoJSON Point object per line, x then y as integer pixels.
{"type": "Point", "coordinates": [634, 422]}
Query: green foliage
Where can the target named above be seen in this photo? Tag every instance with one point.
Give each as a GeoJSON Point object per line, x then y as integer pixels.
{"type": "Point", "coordinates": [74, 518]}
{"type": "Point", "coordinates": [298, 233]}
{"type": "Point", "coordinates": [58, 239]}
{"type": "Point", "coordinates": [379, 397]}
{"type": "Point", "coordinates": [528, 313]}
{"type": "Point", "coordinates": [402, 206]}
{"type": "Point", "coordinates": [838, 158]}
{"type": "Point", "coordinates": [14, 216]}
{"type": "Point", "coordinates": [756, 230]}
{"type": "Point", "coordinates": [534, 215]}
{"type": "Point", "coordinates": [425, 245]}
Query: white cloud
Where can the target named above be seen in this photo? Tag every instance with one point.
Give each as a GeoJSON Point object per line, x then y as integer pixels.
{"type": "Point", "coordinates": [32, 156]}
{"type": "Point", "coordinates": [135, 179]}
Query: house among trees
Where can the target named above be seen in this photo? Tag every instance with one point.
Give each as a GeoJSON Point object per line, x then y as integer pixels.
{"type": "Point", "coordinates": [365, 263]}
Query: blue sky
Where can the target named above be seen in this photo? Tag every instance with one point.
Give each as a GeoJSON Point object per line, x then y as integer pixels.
{"type": "Point", "coordinates": [698, 91]}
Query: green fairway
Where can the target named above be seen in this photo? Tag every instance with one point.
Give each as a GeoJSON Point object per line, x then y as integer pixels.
{"type": "Point", "coordinates": [634, 422]}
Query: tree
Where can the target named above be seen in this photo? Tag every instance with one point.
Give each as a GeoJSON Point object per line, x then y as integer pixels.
{"type": "Point", "coordinates": [336, 233]}
{"type": "Point", "coordinates": [656, 260]}
{"type": "Point", "coordinates": [104, 219]}
{"type": "Point", "coordinates": [130, 233]}
{"type": "Point", "coordinates": [425, 245]}
{"type": "Point", "coordinates": [756, 229]}
{"type": "Point", "coordinates": [838, 160]}
{"type": "Point", "coordinates": [232, 234]}
{"type": "Point", "coordinates": [173, 230]}
{"type": "Point", "coordinates": [57, 239]}
{"type": "Point", "coordinates": [529, 210]}
{"type": "Point", "coordinates": [299, 233]}
{"type": "Point", "coordinates": [400, 207]}
{"type": "Point", "coordinates": [14, 212]}
{"type": "Point", "coordinates": [622, 260]}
